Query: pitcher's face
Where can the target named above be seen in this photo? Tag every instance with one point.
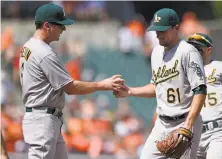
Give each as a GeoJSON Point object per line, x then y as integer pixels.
{"type": "Point", "coordinates": [56, 31]}
{"type": "Point", "coordinates": [168, 36]}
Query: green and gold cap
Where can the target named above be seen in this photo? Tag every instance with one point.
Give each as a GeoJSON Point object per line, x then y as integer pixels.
{"type": "Point", "coordinates": [200, 39]}
{"type": "Point", "coordinates": [52, 13]}
{"type": "Point", "coordinates": [163, 19]}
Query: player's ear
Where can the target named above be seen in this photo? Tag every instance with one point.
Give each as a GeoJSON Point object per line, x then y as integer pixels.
{"type": "Point", "coordinates": [209, 49]}
{"type": "Point", "coordinates": [46, 25]}
{"type": "Point", "coordinates": [177, 27]}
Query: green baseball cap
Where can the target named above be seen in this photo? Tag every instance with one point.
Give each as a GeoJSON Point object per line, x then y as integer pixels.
{"type": "Point", "coordinates": [163, 19]}
{"type": "Point", "coordinates": [52, 13]}
{"type": "Point", "coordinates": [200, 39]}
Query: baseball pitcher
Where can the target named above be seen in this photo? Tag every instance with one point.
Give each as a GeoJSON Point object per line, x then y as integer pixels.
{"type": "Point", "coordinates": [210, 146]}
{"type": "Point", "coordinates": [44, 84]}
{"type": "Point", "coordinates": [178, 83]}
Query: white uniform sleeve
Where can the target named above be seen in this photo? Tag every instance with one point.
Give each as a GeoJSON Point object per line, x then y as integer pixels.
{"type": "Point", "coordinates": [194, 69]}
{"type": "Point", "coordinates": [55, 72]}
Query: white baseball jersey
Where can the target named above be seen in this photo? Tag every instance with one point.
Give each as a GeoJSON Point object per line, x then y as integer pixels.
{"type": "Point", "coordinates": [42, 76]}
{"type": "Point", "coordinates": [212, 108]}
{"type": "Point", "coordinates": [176, 73]}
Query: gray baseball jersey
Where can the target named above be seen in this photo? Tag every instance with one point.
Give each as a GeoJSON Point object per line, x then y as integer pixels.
{"type": "Point", "coordinates": [213, 104]}
{"type": "Point", "coordinates": [176, 73]}
{"type": "Point", "coordinates": [42, 75]}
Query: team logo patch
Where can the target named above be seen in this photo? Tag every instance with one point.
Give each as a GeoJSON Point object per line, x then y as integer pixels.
{"type": "Point", "coordinates": [196, 68]}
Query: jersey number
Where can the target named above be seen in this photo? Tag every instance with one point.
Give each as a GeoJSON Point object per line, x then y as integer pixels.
{"type": "Point", "coordinates": [212, 100]}
{"type": "Point", "coordinates": [173, 95]}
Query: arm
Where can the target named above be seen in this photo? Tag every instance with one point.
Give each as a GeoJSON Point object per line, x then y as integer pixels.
{"type": "Point", "coordinates": [147, 91]}
{"type": "Point", "coordinates": [196, 106]}
{"type": "Point", "coordinates": [4, 154]}
{"type": "Point", "coordinates": [59, 78]}
{"type": "Point", "coordinates": [81, 88]}
{"type": "Point", "coordinates": [195, 72]}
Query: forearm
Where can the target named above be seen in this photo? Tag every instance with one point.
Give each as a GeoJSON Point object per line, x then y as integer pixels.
{"type": "Point", "coordinates": [147, 91]}
{"type": "Point", "coordinates": [81, 88]}
{"type": "Point", "coordinates": [196, 106]}
{"type": "Point", "coordinates": [3, 148]}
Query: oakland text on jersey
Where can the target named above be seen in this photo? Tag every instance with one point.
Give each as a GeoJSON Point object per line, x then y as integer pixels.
{"type": "Point", "coordinates": [211, 78]}
{"type": "Point", "coordinates": [163, 74]}
{"type": "Point", "coordinates": [26, 52]}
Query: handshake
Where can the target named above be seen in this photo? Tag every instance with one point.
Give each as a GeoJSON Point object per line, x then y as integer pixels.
{"type": "Point", "coordinates": [117, 85]}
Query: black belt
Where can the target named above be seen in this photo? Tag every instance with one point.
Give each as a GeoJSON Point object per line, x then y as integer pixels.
{"type": "Point", "coordinates": [48, 111]}
{"type": "Point", "coordinates": [206, 127]}
{"type": "Point", "coordinates": [163, 117]}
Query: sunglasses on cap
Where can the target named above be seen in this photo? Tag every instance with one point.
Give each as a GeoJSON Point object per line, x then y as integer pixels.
{"type": "Point", "coordinates": [199, 38]}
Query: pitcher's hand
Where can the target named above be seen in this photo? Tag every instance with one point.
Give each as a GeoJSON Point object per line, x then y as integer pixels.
{"type": "Point", "coordinates": [113, 83]}
{"type": "Point", "coordinates": [123, 92]}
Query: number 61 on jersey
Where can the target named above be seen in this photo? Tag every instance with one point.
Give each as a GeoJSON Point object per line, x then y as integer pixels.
{"type": "Point", "coordinates": [173, 95]}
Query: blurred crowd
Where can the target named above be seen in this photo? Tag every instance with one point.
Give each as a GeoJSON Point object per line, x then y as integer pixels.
{"type": "Point", "coordinates": [90, 126]}
{"type": "Point", "coordinates": [79, 10]}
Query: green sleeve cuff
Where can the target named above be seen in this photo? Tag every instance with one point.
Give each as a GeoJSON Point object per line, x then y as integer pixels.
{"type": "Point", "coordinates": [202, 89]}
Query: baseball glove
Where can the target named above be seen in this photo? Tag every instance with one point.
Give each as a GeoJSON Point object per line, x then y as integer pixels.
{"type": "Point", "coordinates": [176, 143]}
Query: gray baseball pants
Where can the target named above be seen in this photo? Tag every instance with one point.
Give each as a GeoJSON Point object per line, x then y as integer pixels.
{"type": "Point", "coordinates": [163, 128]}
{"type": "Point", "coordinates": [42, 132]}
{"type": "Point", "coordinates": [210, 146]}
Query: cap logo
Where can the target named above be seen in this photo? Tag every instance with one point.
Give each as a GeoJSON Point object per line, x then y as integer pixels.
{"type": "Point", "coordinates": [157, 19]}
{"type": "Point", "coordinates": [63, 12]}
